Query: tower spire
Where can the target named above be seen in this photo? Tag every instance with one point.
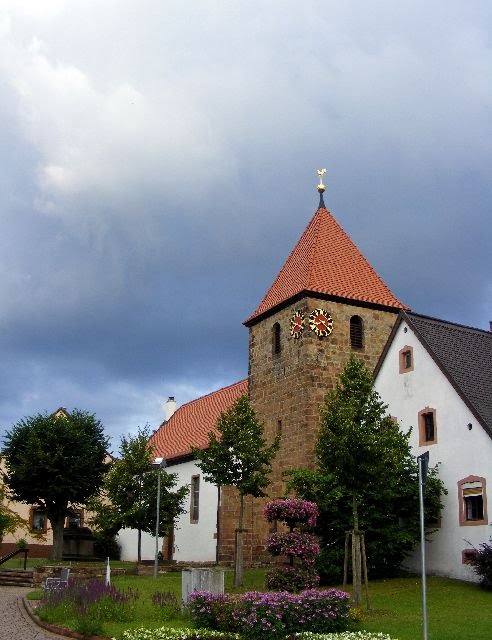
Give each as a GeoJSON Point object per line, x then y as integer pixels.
{"type": "Point", "coordinates": [321, 188]}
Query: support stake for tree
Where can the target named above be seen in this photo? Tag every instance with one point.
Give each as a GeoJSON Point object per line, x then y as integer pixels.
{"type": "Point", "coordinates": [362, 555]}
{"type": "Point", "coordinates": [345, 558]}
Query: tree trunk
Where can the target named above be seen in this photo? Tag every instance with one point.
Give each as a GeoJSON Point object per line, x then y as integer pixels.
{"type": "Point", "coordinates": [139, 546]}
{"type": "Point", "coordinates": [238, 556]}
{"type": "Point", "coordinates": [356, 556]}
{"type": "Point", "coordinates": [57, 525]}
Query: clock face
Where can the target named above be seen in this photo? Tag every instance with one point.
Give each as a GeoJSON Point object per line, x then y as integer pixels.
{"type": "Point", "coordinates": [320, 322]}
{"type": "Point", "coordinates": [297, 324]}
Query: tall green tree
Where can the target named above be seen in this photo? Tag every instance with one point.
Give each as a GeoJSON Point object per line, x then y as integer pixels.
{"type": "Point", "coordinates": [238, 456]}
{"type": "Point", "coordinates": [128, 497]}
{"type": "Point", "coordinates": [366, 479]}
{"type": "Point", "coordinates": [10, 521]}
{"type": "Point", "coordinates": [56, 462]}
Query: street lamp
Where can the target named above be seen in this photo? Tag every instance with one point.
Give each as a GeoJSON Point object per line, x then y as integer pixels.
{"type": "Point", "coordinates": [159, 464]}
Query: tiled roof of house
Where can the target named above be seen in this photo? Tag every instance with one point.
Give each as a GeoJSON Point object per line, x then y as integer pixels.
{"type": "Point", "coordinates": [326, 261]}
{"type": "Point", "coordinates": [190, 425]}
{"type": "Point", "coordinates": [464, 355]}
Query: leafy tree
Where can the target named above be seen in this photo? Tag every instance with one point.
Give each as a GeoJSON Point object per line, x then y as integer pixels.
{"type": "Point", "coordinates": [10, 521]}
{"type": "Point", "coordinates": [56, 462]}
{"type": "Point", "coordinates": [129, 492]}
{"type": "Point", "coordinates": [367, 479]}
{"type": "Point", "coordinates": [238, 456]}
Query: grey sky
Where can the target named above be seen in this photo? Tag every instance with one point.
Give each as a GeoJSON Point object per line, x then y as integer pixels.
{"type": "Point", "coordinates": [158, 163]}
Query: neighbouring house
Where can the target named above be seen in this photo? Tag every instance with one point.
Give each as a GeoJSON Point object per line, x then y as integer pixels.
{"type": "Point", "coordinates": [197, 532]}
{"type": "Point", "coordinates": [436, 377]}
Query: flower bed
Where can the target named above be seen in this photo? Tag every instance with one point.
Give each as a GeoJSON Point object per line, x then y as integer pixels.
{"type": "Point", "coordinates": [165, 633]}
{"type": "Point", "coordinates": [271, 615]}
{"type": "Point", "coordinates": [346, 635]}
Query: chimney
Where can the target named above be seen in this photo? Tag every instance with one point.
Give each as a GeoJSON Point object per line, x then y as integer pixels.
{"type": "Point", "coordinates": [170, 407]}
{"type": "Point", "coordinates": [490, 326]}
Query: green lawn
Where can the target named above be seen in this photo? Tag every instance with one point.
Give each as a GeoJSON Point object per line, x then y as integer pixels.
{"type": "Point", "coordinates": [456, 610]}
{"type": "Point", "coordinates": [18, 563]}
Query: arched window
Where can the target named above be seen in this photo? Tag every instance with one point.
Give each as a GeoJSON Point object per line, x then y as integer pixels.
{"type": "Point", "coordinates": [356, 333]}
{"type": "Point", "coordinates": [276, 343]}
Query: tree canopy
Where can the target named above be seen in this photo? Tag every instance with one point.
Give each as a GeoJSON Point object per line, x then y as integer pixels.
{"type": "Point", "coordinates": [238, 456]}
{"type": "Point", "coordinates": [366, 478]}
{"type": "Point", "coordinates": [57, 462]}
{"type": "Point", "coordinates": [128, 499]}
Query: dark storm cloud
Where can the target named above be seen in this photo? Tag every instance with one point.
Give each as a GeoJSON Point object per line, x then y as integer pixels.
{"type": "Point", "coordinates": [157, 170]}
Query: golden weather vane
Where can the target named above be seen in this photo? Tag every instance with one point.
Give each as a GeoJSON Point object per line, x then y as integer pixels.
{"type": "Point", "coordinates": [321, 186]}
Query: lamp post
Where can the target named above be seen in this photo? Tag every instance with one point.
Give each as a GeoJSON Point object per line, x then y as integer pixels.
{"type": "Point", "coordinates": [159, 464]}
{"type": "Point", "coordinates": [423, 463]}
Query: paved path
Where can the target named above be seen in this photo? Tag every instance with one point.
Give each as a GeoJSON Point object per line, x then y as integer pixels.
{"type": "Point", "coordinates": [15, 623]}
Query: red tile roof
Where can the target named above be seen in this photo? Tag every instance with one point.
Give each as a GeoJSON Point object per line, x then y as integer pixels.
{"type": "Point", "coordinates": [326, 261]}
{"type": "Point", "coordinates": [190, 425]}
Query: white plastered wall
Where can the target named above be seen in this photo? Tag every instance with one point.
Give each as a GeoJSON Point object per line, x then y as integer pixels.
{"type": "Point", "coordinates": [461, 452]}
{"type": "Point", "coordinates": [193, 542]}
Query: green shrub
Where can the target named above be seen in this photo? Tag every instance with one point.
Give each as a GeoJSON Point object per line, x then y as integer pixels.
{"type": "Point", "coordinates": [105, 546]}
{"type": "Point", "coordinates": [482, 564]}
{"type": "Point", "coordinates": [293, 579]}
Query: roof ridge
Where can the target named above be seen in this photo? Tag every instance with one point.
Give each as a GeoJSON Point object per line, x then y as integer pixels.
{"type": "Point", "coordinates": [206, 395]}
{"type": "Point", "coordinates": [316, 219]}
{"type": "Point", "coordinates": [326, 260]}
{"type": "Point", "coordinates": [455, 324]}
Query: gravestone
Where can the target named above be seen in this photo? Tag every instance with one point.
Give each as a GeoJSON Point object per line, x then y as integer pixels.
{"type": "Point", "coordinates": [201, 579]}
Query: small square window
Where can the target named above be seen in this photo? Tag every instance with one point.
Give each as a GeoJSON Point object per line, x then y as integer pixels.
{"type": "Point", "coordinates": [468, 556]}
{"type": "Point", "coordinates": [406, 359]}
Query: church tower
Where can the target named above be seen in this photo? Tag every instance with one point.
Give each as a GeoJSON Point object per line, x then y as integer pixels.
{"type": "Point", "coordinates": [326, 303]}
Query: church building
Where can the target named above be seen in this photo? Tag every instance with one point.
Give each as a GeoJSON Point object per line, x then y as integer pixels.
{"type": "Point", "coordinates": [326, 303]}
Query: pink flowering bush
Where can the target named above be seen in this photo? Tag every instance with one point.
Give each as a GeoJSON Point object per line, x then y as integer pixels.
{"type": "Point", "coordinates": [292, 579]}
{"type": "Point", "coordinates": [292, 511]}
{"type": "Point", "coordinates": [294, 544]}
{"type": "Point", "coordinates": [274, 616]}
{"type": "Point", "coordinates": [297, 546]}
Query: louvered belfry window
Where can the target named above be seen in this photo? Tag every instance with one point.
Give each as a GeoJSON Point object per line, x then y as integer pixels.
{"type": "Point", "coordinates": [276, 342]}
{"type": "Point", "coordinates": [356, 332]}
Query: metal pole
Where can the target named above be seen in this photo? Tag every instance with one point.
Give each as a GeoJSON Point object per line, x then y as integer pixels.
{"type": "Point", "coordinates": [156, 557]}
{"type": "Point", "coordinates": [422, 544]}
